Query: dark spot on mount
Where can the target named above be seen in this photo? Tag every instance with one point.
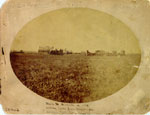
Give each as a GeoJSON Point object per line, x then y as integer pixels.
{"type": "Point", "coordinates": [3, 51]}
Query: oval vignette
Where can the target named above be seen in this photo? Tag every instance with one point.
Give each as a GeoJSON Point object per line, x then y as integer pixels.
{"type": "Point", "coordinates": [75, 55]}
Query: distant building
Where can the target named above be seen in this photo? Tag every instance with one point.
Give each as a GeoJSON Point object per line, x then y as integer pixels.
{"type": "Point", "coordinates": [109, 54]}
{"type": "Point", "coordinates": [83, 53]}
{"type": "Point", "coordinates": [65, 51]}
{"type": "Point", "coordinates": [122, 53]}
{"type": "Point", "coordinates": [56, 52]}
{"type": "Point", "coordinates": [100, 52]}
{"type": "Point", "coordinates": [52, 51]}
{"type": "Point", "coordinates": [45, 49]}
{"type": "Point", "coordinates": [90, 53]}
{"type": "Point", "coordinates": [114, 53]}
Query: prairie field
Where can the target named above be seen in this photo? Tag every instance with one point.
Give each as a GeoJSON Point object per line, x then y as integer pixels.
{"type": "Point", "coordinates": [74, 78]}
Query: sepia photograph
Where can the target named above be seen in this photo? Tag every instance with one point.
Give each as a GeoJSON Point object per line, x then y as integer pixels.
{"type": "Point", "coordinates": [75, 55]}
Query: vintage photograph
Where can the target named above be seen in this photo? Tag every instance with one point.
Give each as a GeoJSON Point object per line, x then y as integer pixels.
{"type": "Point", "coordinates": [75, 55]}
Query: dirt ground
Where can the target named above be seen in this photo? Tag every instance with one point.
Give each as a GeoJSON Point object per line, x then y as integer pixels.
{"type": "Point", "coordinates": [74, 78]}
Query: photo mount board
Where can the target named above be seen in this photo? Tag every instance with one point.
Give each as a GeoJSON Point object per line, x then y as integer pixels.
{"type": "Point", "coordinates": [133, 98]}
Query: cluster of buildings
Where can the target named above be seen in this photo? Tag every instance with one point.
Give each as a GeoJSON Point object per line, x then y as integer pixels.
{"type": "Point", "coordinates": [105, 53]}
{"type": "Point", "coordinates": [54, 51]}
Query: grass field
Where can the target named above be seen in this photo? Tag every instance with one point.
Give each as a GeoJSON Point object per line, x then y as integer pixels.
{"type": "Point", "coordinates": [74, 78]}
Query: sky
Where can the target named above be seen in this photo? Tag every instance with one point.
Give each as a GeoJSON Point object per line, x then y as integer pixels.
{"type": "Point", "coordinates": [76, 29]}
{"type": "Point", "coordinates": [2, 2]}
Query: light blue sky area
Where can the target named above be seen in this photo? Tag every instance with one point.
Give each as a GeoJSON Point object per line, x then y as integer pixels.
{"type": "Point", "coordinates": [148, 113]}
{"type": "Point", "coordinates": [2, 2]}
